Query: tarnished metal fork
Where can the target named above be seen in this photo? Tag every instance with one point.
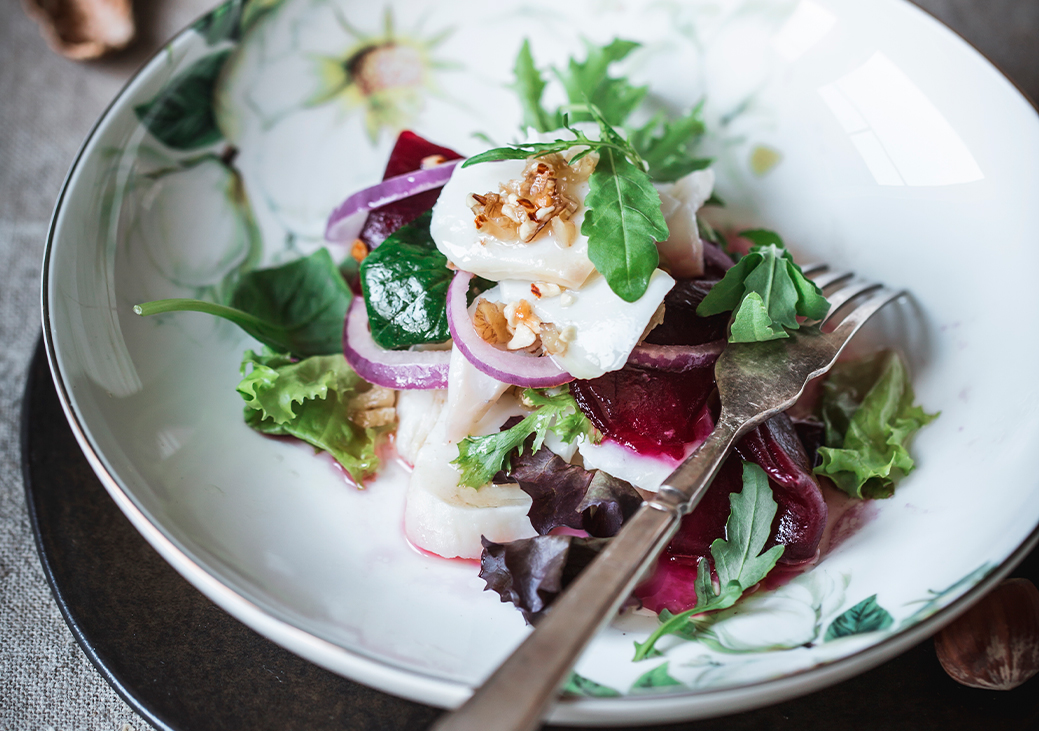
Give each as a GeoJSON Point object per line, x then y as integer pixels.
{"type": "Point", "coordinates": [755, 382]}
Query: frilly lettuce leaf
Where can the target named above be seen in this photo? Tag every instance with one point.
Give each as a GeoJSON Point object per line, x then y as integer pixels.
{"type": "Point", "coordinates": [309, 400]}
{"type": "Point", "coordinates": [481, 458]}
{"type": "Point", "coordinates": [869, 416]}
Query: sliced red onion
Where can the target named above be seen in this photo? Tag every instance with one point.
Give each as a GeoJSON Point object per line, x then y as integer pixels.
{"type": "Point", "coordinates": [676, 358]}
{"type": "Point", "coordinates": [346, 221]}
{"type": "Point", "coordinates": [713, 254]}
{"type": "Point", "coordinates": [401, 369]}
{"type": "Point", "coordinates": [517, 368]}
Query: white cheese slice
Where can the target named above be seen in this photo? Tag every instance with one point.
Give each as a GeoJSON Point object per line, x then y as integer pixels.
{"type": "Point", "coordinates": [605, 327]}
{"type": "Point", "coordinates": [545, 259]}
{"type": "Point", "coordinates": [679, 202]}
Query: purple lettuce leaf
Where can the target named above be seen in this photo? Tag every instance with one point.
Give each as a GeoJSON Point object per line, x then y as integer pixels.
{"type": "Point", "coordinates": [532, 572]}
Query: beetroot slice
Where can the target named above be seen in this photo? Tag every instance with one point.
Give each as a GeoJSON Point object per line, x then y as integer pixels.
{"type": "Point", "coordinates": [407, 156]}
{"type": "Point", "coordinates": [653, 412]}
{"type": "Point", "coordinates": [681, 325]}
{"type": "Point", "coordinates": [798, 525]}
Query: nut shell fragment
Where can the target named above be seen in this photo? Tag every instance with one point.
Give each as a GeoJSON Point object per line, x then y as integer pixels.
{"type": "Point", "coordinates": [83, 29]}
{"type": "Point", "coordinates": [995, 645]}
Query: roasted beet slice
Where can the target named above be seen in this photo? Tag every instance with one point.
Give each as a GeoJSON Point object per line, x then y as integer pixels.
{"type": "Point", "coordinates": [407, 156]}
{"type": "Point", "coordinates": [801, 518]}
{"type": "Point", "coordinates": [681, 325]}
{"type": "Point", "coordinates": [653, 412]}
{"type": "Point", "coordinates": [798, 524]}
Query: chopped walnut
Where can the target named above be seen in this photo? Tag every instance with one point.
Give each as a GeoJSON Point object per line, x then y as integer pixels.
{"type": "Point", "coordinates": [374, 407]}
{"type": "Point", "coordinates": [516, 326]}
{"type": "Point", "coordinates": [540, 198]}
{"type": "Point", "coordinates": [556, 340]}
{"type": "Point", "coordinates": [491, 325]}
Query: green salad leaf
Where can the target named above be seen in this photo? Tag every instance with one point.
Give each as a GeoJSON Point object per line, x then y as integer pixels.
{"type": "Point", "coordinates": [405, 283]}
{"type": "Point", "coordinates": [588, 83]}
{"type": "Point", "coordinates": [766, 291]}
{"type": "Point", "coordinates": [738, 558]}
{"type": "Point", "coordinates": [623, 220]}
{"type": "Point", "coordinates": [310, 400]}
{"type": "Point", "coordinates": [669, 146]}
{"type": "Point", "coordinates": [530, 85]}
{"type": "Point", "coordinates": [296, 308]}
{"type": "Point", "coordinates": [869, 416]}
{"type": "Point", "coordinates": [481, 458]}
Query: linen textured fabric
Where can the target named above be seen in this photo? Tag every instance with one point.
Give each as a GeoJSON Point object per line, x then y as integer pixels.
{"type": "Point", "coordinates": [47, 106]}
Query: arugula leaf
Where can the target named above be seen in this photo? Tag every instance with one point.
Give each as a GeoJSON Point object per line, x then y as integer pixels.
{"type": "Point", "coordinates": [523, 150]}
{"type": "Point", "coordinates": [529, 86]}
{"type": "Point", "coordinates": [738, 560]}
{"type": "Point", "coordinates": [481, 458]}
{"type": "Point", "coordinates": [622, 221]}
{"type": "Point", "coordinates": [589, 82]}
{"type": "Point", "coordinates": [668, 146]}
{"type": "Point", "coordinates": [297, 308]}
{"type": "Point", "coordinates": [405, 283]}
{"type": "Point", "coordinates": [309, 400]}
{"type": "Point", "coordinates": [766, 290]}
{"type": "Point", "coordinates": [869, 417]}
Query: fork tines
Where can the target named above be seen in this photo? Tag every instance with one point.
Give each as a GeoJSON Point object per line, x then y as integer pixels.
{"type": "Point", "coordinates": [841, 288]}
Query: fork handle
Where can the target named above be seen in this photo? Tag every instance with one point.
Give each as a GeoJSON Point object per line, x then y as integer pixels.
{"type": "Point", "coordinates": [514, 698]}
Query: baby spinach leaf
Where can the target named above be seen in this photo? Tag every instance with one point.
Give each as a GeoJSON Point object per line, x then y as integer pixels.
{"type": "Point", "coordinates": [181, 115]}
{"type": "Point", "coordinates": [866, 616]}
{"type": "Point", "coordinates": [405, 283]}
{"type": "Point", "coordinates": [296, 308]}
{"type": "Point", "coordinates": [869, 416]}
{"type": "Point", "coordinates": [738, 558]}
{"type": "Point", "coordinates": [766, 290]}
{"type": "Point", "coordinates": [310, 400]}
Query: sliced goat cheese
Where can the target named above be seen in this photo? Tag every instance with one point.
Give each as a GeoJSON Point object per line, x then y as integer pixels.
{"type": "Point", "coordinates": [679, 202]}
{"type": "Point", "coordinates": [446, 518]}
{"type": "Point", "coordinates": [557, 253]}
{"type": "Point", "coordinates": [601, 329]}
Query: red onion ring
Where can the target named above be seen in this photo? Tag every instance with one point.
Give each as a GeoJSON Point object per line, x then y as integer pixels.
{"type": "Point", "coordinates": [677, 358]}
{"type": "Point", "coordinates": [400, 369]}
{"type": "Point", "coordinates": [517, 368]}
{"type": "Point", "coordinates": [348, 218]}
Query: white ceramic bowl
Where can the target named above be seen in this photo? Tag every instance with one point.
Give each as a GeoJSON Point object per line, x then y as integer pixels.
{"type": "Point", "coordinates": [863, 130]}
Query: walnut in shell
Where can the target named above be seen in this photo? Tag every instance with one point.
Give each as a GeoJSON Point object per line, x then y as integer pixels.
{"type": "Point", "coordinates": [995, 645]}
{"type": "Point", "coordinates": [83, 29]}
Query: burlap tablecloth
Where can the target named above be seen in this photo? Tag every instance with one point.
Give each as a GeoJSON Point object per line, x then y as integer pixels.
{"type": "Point", "coordinates": [47, 106]}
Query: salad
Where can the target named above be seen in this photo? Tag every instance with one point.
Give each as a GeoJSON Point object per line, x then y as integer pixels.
{"type": "Point", "coordinates": [533, 330]}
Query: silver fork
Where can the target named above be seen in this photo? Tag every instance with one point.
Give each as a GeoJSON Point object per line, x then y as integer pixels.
{"type": "Point", "coordinates": [755, 382]}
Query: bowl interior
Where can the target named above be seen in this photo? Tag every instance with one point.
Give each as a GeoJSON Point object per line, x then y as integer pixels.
{"type": "Point", "coordinates": [867, 134]}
